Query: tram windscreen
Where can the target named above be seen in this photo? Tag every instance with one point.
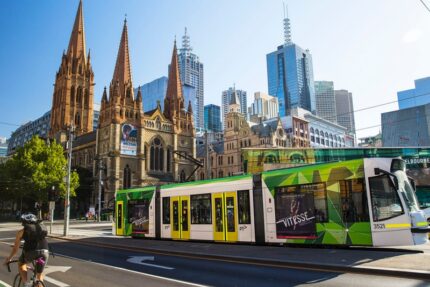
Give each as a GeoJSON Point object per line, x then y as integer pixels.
{"type": "Point", "coordinates": [138, 215]}
{"type": "Point", "coordinates": [407, 190]}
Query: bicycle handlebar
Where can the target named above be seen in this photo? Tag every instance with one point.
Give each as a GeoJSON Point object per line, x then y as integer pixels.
{"type": "Point", "coordinates": [8, 264]}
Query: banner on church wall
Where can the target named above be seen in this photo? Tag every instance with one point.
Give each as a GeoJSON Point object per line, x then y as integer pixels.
{"type": "Point", "coordinates": [128, 139]}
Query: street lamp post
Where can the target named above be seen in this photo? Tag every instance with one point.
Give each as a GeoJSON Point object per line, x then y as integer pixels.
{"type": "Point", "coordinates": [100, 190]}
{"type": "Point", "coordinates": [69, 167]}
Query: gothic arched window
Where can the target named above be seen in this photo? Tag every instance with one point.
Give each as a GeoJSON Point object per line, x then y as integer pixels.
{"type": "Point", "coordinates": [72, 94]}
{"type": "Point", "coordinates": [182, 176]}
{"type": "Point", "coordinates": [126, 182]}
{"type": "Point", "coordinates": [169, 159]}
{"type": "Point", "coordinates": [157, 155]}
{"type": "Point", "coordinates": [77, 119]}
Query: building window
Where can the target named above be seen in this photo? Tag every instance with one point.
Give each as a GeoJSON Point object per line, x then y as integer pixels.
{"type": "Point", "coordinates": [126, 181]}
{"type": "Point", "coordinates": [157, 155]}
{"type": "Point", "coordinates": [182, 176]}
{"type": "Point", "coordinates": [169, 158]}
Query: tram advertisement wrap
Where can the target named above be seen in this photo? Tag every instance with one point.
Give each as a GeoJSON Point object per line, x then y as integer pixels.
{"type": "Point", "coordinates": [139, 215]}
{"type": "Point", "coordinates": [295, 215]}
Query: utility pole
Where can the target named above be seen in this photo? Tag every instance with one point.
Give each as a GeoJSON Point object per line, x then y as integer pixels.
{"type": "Point", "coordinates": [69, 167]}
{"type": "Point", "coordinates": [208, 164]}
{"type": "Point", "coordinates": [100, 189]}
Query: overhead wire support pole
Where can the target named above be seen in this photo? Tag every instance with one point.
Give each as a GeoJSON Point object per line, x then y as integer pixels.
{"type": "Point", "coordinates": [69, 169]}
{"type": "Point", "coordinates": [100, 190]}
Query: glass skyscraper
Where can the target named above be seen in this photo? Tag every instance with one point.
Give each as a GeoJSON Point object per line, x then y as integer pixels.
{"type": "Point", "coordinates": [325, 100]}
{"type": "Point", "coordinates": [213, 118]}
{"type": "Point", "coordinates": [415, 97]}
{"type": "Point", "coordinates": [290, 76]}
{"type": "Point", "coordinates": [152, 92]}
{"type": "Point", "coordinates": [191, 71]}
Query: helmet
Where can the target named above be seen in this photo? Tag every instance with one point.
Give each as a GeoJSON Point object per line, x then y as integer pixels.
{"type": "Point", "coordinates": [29, 218]}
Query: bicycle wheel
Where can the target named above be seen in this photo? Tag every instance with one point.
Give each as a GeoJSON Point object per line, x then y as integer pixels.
{"type": "Point", "coordinates": [17, 281]}
{"type": "Point", "coordinates": [38, 283]}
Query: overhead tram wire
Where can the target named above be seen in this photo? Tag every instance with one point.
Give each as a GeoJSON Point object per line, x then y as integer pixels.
{"type": "Point", "coordinates": [427, 6]}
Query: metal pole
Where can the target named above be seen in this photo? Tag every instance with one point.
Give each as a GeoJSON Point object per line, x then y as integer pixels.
{"type": "Point", "coordinates": [208, 164]}
{"type": "Point", "coordinates": [100, 190]}
{"type": "Point", "coordinates": [67, 200]}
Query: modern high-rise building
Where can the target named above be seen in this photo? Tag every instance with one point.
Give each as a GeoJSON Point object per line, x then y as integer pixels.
{"type": "Point", "coordinates": [24, 133]}
{"type": "Point", "coordinates": [226, 99]}
{"type": "Point", "coordinates": [153, 92]}
{"type": "Point", "coordinates": [213, 118]}
{"type": "Point", "coordinates": [290, 75]}
{"type": "Point", "coordinates": [3, 147]}
{"type": "Point", "coordinates": [263, 108]}
{"type": "Point", "coordinates": [191, 71]}
{"type": "Point", "coordinates": [409, 127]}
{"type": "Point", "coordinates": [325, 100]}
{"type": "Point", "coordinates": [415, 97]}
{"type": "Point", "coordinates": [345, 110]}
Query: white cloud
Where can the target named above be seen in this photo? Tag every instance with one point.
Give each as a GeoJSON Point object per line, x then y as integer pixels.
{"type": "Point", "coordinates": [412, 36]}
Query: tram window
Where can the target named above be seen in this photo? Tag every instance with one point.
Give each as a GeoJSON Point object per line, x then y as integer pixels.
{"type": "Point", "coordinates": [166, 210]}
{"type": "Point", "coordinates": [284, 197]}
{"type": "Point", "coordinates": [354, 200]}
{"type": "Point", "coordinates": [201, 209]}
{"type": "Point", "coordinates": [243, 200]}
{"type": "Point", "coordinates": [385, 200]}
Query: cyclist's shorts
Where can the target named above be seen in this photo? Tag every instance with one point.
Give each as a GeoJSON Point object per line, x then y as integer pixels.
{"type": "Point", "coordinates": [39, 256]}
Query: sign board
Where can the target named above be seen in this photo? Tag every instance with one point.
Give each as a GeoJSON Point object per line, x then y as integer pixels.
{"type": "Point", "coordinates": [128, 139]}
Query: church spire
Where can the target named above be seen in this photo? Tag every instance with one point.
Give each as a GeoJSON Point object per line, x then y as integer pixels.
{"type": "Point", "coordinates": [77, 38]}
{"type": "Point", "coordinates": [122, 73]}
{"type": "Point", "coordinates": [174, 100]}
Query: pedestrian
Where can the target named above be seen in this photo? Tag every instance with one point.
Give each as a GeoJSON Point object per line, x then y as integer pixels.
{"type": "Point", "coordinates": [86, 216]}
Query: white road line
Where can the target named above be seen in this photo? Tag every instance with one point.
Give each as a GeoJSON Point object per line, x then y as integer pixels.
{"type": "Point", "coordinates": [55, 282]}
{"type": "Point", "coordinates": [8, 238]}
{"type": "Point", "coordinates": [136, 272]}
{"type": "Point", "coordinates": [4, 284]}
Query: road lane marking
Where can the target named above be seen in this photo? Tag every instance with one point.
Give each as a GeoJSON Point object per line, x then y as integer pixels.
{"type": "Point", "coordinates": [4, 284]}
{"type": "Point", "coordinates": [135, 272]}
{"type": "Point", "coordinates": [7, 238]}
{"type": "Point", "coordinates": [139, 259]}
{"type": "Point", "coordinates": [55, 282]}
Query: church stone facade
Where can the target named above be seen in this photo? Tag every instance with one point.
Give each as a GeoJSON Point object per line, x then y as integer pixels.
{"type": "Point", "coordinates": [130, 147]}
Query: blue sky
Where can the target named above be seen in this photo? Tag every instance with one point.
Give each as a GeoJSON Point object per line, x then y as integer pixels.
{"type": "Point", "coordinates": [372, 48]}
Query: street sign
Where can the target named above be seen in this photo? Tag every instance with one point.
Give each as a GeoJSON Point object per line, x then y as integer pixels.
{"type": "Point", "coordinates": [51, 205]}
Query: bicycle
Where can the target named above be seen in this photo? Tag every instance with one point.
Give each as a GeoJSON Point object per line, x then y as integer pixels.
{"type": "Point", "coordinates": [17, 282]}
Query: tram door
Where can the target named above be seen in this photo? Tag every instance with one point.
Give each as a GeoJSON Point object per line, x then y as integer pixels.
{"type": "Point", "coordinates": [224, 210]}
{"type": "Point", "coordinates": [119, 218]}
{"type": "Point", "coordinates": [180, 217]}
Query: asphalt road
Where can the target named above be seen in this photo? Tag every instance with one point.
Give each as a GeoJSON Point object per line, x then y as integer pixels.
{"type": "Point", "coordinates": [93, 266]}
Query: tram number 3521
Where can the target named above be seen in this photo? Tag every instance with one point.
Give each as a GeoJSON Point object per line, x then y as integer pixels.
{"type": "Point", "coordinates": [379, 226]}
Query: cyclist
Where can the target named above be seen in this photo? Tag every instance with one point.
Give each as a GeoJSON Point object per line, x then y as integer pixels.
{"type": "Point", "coordinates": [35, 246]}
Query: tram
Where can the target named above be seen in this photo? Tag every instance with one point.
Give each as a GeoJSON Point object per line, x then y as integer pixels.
{"type": "Point", "coordinates": [364, 202]}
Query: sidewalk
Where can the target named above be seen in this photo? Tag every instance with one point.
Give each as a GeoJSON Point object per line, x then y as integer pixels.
{"type": "Point", "coordinates": [401, 261]}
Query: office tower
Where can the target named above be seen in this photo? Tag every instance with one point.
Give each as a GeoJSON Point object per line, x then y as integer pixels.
{"type": "Point", "coordinates": [263, 108]}
{"type": "Point", "coordinates": [152, 93]}
{"type": "Point", "coordinates": [345, 110]}
{"type": "Point", "coordinates": [226, 99]}
{"type": "Point", "coordinates": [290, 75]}
{"type": "Point", "coordinates": [325, 100]}
{"type": "Point", "coordinates": [213, 118]}
{"type": "Point", "coordinates": [191, 72]}
{"type": "Point", "coordinates": [415, 97]}
{"type": "Point", "coordinates": [409, 127]}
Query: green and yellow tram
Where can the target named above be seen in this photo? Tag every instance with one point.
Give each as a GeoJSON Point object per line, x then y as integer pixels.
{"type": "Point", "coordinates": [367, 201]}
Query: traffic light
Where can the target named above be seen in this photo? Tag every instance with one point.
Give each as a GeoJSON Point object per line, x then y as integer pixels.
{"type": "Point", "coordinates": [53, 194]}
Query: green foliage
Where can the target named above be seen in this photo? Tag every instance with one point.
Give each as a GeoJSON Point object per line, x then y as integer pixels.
{"type": "Point", "coordinates": [36, 167]}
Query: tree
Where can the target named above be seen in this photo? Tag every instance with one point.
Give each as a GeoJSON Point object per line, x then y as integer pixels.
{"type": "Point", "coordinates": [36, 167]}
